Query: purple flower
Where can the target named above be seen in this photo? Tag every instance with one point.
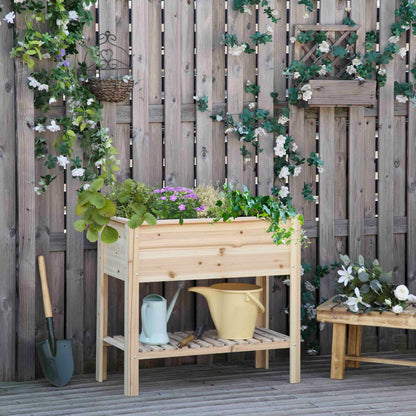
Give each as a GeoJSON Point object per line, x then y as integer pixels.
{"type": "Point", "coordinates": [202, 207]}
{"type": "Point", "coordinates": [163, 198]}
{"type": "Point", "coordinates": [173, 198]}
{"type": "Point", "coordinates": [170, 189]}
{"type": "Point", "coordinates": [198, 209]}
{"type": "Point", "coordinates": [63, 53]}
{"type": "Point", "coordinates": [182, 207]}
{"type": "Point", "coordinates": [156, 191]}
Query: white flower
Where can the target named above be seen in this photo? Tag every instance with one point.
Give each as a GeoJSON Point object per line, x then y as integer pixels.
{"type": "Point", "coordinates": [284, 191]}
{"type": "Point", "coordinates": [361, 270]}
{"type": "Point", "coordinates": [247, 159]}
{"type": "Point", "coordinates": [73, 15]}
{"type": "Point", "coordinates": [283, 120]}
{"type": "Point", "coordinates": [393, 39]}
{"type": "Point", "coordinates": [86, 7]}
{"type": "Point", "coordinates": [298, 170]}
{"type": "Point", "coordinates": [52, 100]}
{"type": "Point", "coordinates": [324, 46]}
{"type": "Point", "coordinates": [39, 128]}
{"type": "Point", "coordinates": [405, 27]}
{"type": "Point", "coordinates": [251, 105]}
{"type": "Point", "coordinates": [237, 50]}
{"type": "Point", "coordinates": [62, 161]}
{"type": "Point", "coordinates": [345, 275]}
{"type": "Point", "coordinates": [292, 39]}
{"type": "Point", "coordinates": [195, 97]}
{"type": "Point", "coordinates": [46, 56]}
{"type": "Point", "coordinates": [86, 187]}
{"type": "Point", "coordinates": [351, 70]}
{"type": "Point", "coordinates": [229, 130]}
{"type": "Point", "coordinates": [260, 131]}
{"type": "Point", "coordinates": [90, 101]}
{"type": "Point", "coordinates": [307, 95]}
{"type": "Point", "coordinates": [348, 9]}
{"type": "Point", "coordinates": [43, 87]}
{"type": "Point", "coordinates": [280, 140]}
{"type": "Point", "coordinates": [302, 271]}
{"type": "Point", "coordinates": [247, 10]}
{"type": "Point", "coordinates": [401, 292]}
{"type": "Point", "coordinates": [309, 287]}
{"type": "Point", "coordinates": [218, 117]}
{"type": "Point", "coordinates": [98, 163]}
{"type": "Point", "coordinates": [9, 18]}
{"type": "Point", "coordinates": [18, 1]}
{"type": "Point", "coordinates": [382, 71]}
{"type": "Point", "coordinates": [269, 30]}
{"type": "Point", "coordinates": [248, 83]}
{"type": "Point", "coordinates": [402, 52]}
{"type": "Point", "coordinates": [286, 282]}
{"type": "Point", "coordinates": [78, 172]}
{"type": "Point", "coordinates": [279, 151]}
{"type": "Point", "coordinates": [352, 302]}
{"type": "Point", "coordinates": [397, 309]}
{"type": "Point", "coordinates": [387, 302]}
{"type": "Point", "coordinates": [306, 15]}
{"type": "Point", "coordinates": [275, 13]}
{"type": "Point", "coordinates": [402, 98]}
{"type": "Point", "coordinates": [34, 83]}
{"type": "Point", "coordinates": [296, 75]}
{"type": "Point", "coordinates": [356, 62]}
{"type": "Point", "coordinates": [37, 191]}
{"type": "Point", "coordinates": [411, 298]}
{"type": "Point", "coordinates": [284, 173]}
{"type": "Point", "coordinates": [59, 22]}
{"type": "Point", "coordinates": [53, 126]}
{"type": "Point", "coordinates": [323, 70]}
{"type": "Point", "coordinates": [321, 169]}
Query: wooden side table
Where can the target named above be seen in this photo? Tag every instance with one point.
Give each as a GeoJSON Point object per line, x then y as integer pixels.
{"type": "Point", "coordinates": [198, 249]}
{"type": "Point", "coordinates": [341, 318]}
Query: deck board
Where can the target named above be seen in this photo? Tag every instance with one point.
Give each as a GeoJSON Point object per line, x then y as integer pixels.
{"type": "Point", "coordinates": [225, 389]}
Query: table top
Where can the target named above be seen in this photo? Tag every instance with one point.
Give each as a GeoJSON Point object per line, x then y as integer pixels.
{"type": "Point", "coordinates": [338, 313]}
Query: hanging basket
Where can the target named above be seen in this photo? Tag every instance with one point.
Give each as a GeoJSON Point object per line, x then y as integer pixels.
{"type": "Point", "coordinates": [111, 90]}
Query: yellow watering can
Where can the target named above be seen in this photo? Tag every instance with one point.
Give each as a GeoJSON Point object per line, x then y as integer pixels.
{"type": "Point", "coordinates": [233, 307]}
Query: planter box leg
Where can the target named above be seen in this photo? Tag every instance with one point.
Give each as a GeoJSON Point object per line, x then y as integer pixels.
{"type": "Point", "coordinates": [339, 339]}
{"type": "Point", "coordinates": [131, 336]}
{"type": "Point", "coordinates": [355, 333]}
{"type": "Point", "coordinates": [102, 318]}
{"type": "Point", "coordinates": [262, 357]}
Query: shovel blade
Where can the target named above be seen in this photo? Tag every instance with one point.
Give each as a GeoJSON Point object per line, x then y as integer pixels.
{"type": "Point", "coordinates": [57, 369]}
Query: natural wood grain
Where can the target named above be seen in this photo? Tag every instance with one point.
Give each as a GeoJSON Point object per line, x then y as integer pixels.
{"type": "Point", "coordinates": [262, 358]}
{"type": "Point", "coordinates": [338, 351]}
{"type": "Point", "coordinates": [354, 344]}
{"type": "Point", "coordinates": [8, 198]}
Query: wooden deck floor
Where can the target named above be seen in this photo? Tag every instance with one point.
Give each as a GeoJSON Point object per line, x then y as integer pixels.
{"type": "Point", "coordinates": [225, 389]}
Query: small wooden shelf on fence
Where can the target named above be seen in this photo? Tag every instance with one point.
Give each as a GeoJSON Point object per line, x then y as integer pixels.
{"type": "Point", "coordinates": [263, 339]}
{"type": "Point", "coordinates": [198, 249]}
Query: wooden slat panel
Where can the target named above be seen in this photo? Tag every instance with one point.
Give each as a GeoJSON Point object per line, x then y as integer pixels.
{"type": "Point", "coordinates": [386, 159]}
{"type": "Point", "coordinates": [235, 94]}
{"type": "Point", "coordinates": [266, 74]}
{"type": "Point", "coordinates": [411, 193]}
{"type": "Point", "coordinates": [8, 198]}
{"type": "Point", "coordinates": [204, 145]}
{"type": "Point", "coordinates": [280, 50]}
{"type": "Point", "coordinates": [142, 160]}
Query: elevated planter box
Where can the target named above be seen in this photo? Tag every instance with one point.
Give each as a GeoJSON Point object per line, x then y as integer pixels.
{"type": "Point", "coordinates": [342, 93]}
{"type": "Point", "coordinates": [198, 249]}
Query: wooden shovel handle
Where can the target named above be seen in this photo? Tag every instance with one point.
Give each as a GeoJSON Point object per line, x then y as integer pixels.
{"type": "Point", "coordinates": [45, 291]}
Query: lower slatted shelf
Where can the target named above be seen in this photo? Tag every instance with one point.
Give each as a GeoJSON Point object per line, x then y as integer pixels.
{"type": "Point", "coordinates": [263, 339]}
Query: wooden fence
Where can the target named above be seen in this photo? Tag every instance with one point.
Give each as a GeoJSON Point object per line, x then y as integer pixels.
{"type": "Point", "coordinates": [367, 194]}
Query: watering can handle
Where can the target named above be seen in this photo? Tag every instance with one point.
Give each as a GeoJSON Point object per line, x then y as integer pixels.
{"type": "Point", "coordinates": [145, 306]}
{"type": "Point", "coordinates": [257, 302]}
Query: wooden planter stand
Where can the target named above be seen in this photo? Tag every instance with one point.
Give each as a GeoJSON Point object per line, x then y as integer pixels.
{"type": "Point", "coordinates": [338, 315]}
{"type": "Point", "coordinates": [196, 250]}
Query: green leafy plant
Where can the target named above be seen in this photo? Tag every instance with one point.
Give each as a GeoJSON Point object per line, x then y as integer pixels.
{"type": "Point", "coordinates": [271, 209]}
{"type": "Point", "coordinates": [364, 287]}
{"type": "Point", "coordinates": [202, 103]}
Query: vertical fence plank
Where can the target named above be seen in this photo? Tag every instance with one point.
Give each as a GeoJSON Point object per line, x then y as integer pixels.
{"type": "Point", "coordinates": [142, 154]}
{"type": "Point", "coordinates": [266, 74]}
{"type": "Point", "coordinates": [280, 50]}
{"type": "Point", "coordinates": [175, 145]}
{"type": "Point", "coordinates": [8, 219]}
{"type": "Point", "coordinates": [411, 193]}
{"type": "Point", "coordinates": [386, 161]}
{"type": "Point", "coordinates": [26, 220]}
{"type": "Point", "coordinates": [204, 140]}
{"type": "Point", "coordinates": [235, 97]}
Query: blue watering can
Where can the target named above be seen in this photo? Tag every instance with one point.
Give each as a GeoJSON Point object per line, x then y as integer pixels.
{"type": "Point", "coordinates": [155, 316]}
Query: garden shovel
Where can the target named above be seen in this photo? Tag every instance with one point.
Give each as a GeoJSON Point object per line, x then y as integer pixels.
{"type": "Point", "coordinates": [55, 356]}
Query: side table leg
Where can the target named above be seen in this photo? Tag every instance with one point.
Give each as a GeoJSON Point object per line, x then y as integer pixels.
{"type": "Point", "coordinates": [355, 333]}
{"type": "Point", "coordinates": [262, 357]}
{"type": "Point", "coordinates": [131, 336]}
{"type": "Point", "coordinates": [339, 340]}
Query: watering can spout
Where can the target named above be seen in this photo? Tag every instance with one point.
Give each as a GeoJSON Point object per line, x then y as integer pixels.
{"type": "Point", "coordinates": [173, 301]}
{"type": "Point", "coordinates": [202, 290]}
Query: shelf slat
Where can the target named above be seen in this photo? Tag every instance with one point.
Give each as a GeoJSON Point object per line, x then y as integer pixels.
{"type": "Point", "coordinates": [263, 339]}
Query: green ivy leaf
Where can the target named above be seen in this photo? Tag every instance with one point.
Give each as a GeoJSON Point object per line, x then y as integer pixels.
{"type": "Point", "coordinates": [92, 235]}
{"type": "Point", "coordinates": [150, 219]}
{"type": "Point", "coordinates": [79, 225]}
{"type": "Point", "coordinates": [135, 221]}
{"type": "Point", "coordinates": [109, 235]}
